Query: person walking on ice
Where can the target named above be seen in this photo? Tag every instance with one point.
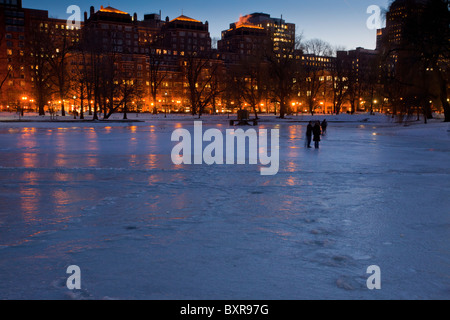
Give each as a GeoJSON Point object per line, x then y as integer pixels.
{"type": "Point", "coordinates": [324, 127]}
{"type": "Point", "coordinates": [317, 132]}
{"type": "Point", "coordinates": [309, 133]}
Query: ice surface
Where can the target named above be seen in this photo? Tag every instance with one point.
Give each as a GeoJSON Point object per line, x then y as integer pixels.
{"type": "Point", "coordinates": [106, 197]}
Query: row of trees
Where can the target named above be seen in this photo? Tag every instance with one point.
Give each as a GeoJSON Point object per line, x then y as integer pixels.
{"type": "Point", "coordinates": [267, 76]}
{"type": "Point", "coordinates": [63, 66]}
{"type": "Point", "coordinates": [415, 69]}
{"type": "Point", "coordinates": [308, 72]}
{"type": "Point", "coordinates": [406, 76]}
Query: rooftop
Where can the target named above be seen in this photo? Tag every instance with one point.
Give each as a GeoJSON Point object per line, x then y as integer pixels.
{"type": "Point", "coordinates": [184, 18]}
{"type": "Point", "coordinates": [111, 10]}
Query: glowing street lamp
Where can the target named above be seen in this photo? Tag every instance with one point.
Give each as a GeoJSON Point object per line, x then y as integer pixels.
{"type": "Point", "coordinates": [24, 99]}
{"type": "Point", "coordinates": [73, 107]}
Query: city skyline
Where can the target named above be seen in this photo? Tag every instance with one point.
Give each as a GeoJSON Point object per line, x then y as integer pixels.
{"type": "Point", "coordinates": [345, 20]}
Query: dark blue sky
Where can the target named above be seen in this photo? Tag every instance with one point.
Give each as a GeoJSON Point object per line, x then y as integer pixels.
{"type": "Point", "coordinates": [339, 22]}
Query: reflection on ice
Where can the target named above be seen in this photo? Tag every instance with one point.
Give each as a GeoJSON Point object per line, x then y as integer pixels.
{"type": "Point", "coordinates": [110, 200]}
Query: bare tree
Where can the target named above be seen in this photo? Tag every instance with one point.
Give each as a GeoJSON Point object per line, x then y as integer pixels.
{"type": "Point", "coordinates": [80, 83]}
{"type": "Point", "coordinates": [110, 84]}
{"type": "Point", "coordinates": [95, 55]}
{"type": "Point", "coordinates": [59, 50]}
{"type": "Point", "coordinates": [417, 65]}
{"type": "Point", "coordinates": [129, 90]}
{"type": "Point", "coordinates": [8, 68]}
{"type": "Point", "coordinates": [157, 64]}
{"type": "Point", "coordinates": [284, 73]}
{"type": "Point", "coordinates": [254, 73]}
{"type": "Point", "coordinates": [232, 94]}
{"type": "Point", "coordinates": [314, 70]}
{"type": "Point", "coordinates": [339, 82]}
{"type": "Point", "coordinates": [427, 47]}
{"type": "Point", "coordinates": [199, 71]}
{"type": "Point", "coordinates": [36, 56]}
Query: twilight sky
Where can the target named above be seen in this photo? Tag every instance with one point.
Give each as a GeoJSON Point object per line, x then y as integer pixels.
{"type": "Point", "coordinates": [339, 22]}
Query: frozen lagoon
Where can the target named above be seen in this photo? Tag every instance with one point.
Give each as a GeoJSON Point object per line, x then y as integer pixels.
{"type": "Point", "coordinates": [106, 197]}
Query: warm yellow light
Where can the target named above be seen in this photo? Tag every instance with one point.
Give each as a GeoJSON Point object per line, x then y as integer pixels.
{"type": "Point", "coordinates": [111, 10]}
{"type": "Point", "coordinates": [184, 18]}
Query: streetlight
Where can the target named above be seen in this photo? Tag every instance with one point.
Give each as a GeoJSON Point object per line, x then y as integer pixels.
{"type": "Point", "coordinates": [375, 103]}
{"type": "Point", "coordinates": [74, 107]}
{"type": "Point", "coordinates": [165, 107]}
{"type": "Point", "coordinates": [24, 99]}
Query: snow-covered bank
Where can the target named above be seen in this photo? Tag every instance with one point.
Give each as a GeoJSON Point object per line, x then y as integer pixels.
{"type": "Point", "coordinates": [219, 118]}
{"type": "Point", "coordinates": [388, 125]}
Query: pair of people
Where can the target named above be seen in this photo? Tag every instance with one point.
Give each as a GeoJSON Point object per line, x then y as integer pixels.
{"type": "Point", "coordinates": [315, 131]}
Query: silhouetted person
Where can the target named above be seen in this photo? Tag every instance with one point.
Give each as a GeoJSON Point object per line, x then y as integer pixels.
{"type": "Point", "coordinates": [317, 131]}
{"type": "Point", "coordinates": [324, 126]}
{"type": "Point", "coordinates": [309, 133]}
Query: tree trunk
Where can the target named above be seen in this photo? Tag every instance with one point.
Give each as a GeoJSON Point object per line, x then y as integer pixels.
{"type": "Point", "coordinates": [89, 104]}
{"type": "Point", "coordinates": [446, 107]}
{"type": "Point", "coordinates": [282, 109]}
{"type": "Point", "coordinates": [81, 109]}
{"type": "Point", "coordinates": [41, 109]}
{"type": "Point", "coordinates": [256, 113]}
{"type": "Point", "coordinates": [443, 96]}
{"type": "Point", "coordinates": [95, 117]}
{"type": "Point", "coordinates": [125, 111]}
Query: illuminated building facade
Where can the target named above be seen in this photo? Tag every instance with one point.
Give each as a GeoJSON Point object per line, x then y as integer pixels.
{"type": "Point", "coordinates": [184, 35]}
{"type": "Point", "coordinates": [17, 24]}
{"type": "Point", "coordinates": [282, 34]}
{"type": "Point", "coordinates": [243, 40]}
{"type": "Point", "coordinates": [137, 44]}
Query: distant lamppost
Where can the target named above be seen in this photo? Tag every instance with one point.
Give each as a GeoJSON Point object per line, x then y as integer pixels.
{"type": "Point", "coordinates": [24, 100]}
{"type": "Point", "coordinates": [74, 107]}
{"type": "Point", "coordinates": [165, 106]}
